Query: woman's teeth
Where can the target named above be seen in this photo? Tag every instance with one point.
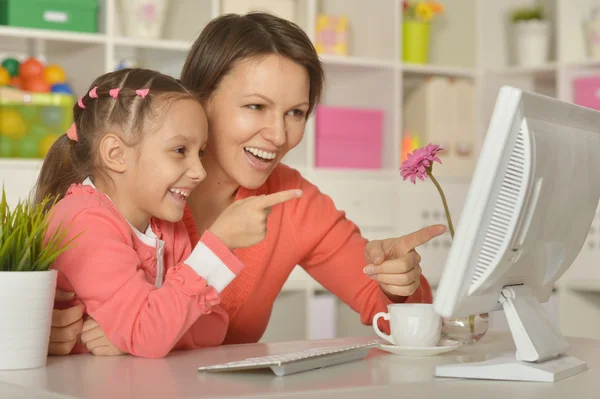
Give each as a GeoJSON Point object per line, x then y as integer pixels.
{"type": "Point", "coordinates": [261, 154]}
{"type": "Point", "coordinates": [181, 192]}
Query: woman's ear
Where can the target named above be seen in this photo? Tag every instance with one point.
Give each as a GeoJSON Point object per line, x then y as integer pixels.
{"type": "Point", "coordinates": [112, 153]}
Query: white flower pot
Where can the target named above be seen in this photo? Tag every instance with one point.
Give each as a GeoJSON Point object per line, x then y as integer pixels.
{"type": "Point", "coordinates": [532, 42]}
{"type": "Point", "coordinates": [142, 18]}
{"type": "Point", "coordinates": [26, 303]}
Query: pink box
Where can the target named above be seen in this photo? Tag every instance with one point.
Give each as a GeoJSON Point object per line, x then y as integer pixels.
{"type": "Point", "coordinates": [587, 91]}
{"type": "Point", "coordinates": [348, 137]}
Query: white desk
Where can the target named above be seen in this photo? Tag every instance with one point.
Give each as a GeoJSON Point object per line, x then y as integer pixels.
{"type": "Point", "coordinates": [381, 375]}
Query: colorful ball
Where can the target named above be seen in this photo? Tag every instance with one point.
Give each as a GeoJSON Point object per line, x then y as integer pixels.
{"type": "Point", "coordinates": [54, 74]}
{"type": "Point", "coordinates": [28, 147]}
{"type": "Point", "coordinates": [63, 88]}
{"type": "Point", "coordinates": [46, 142]}
{"type": "Point", "coordinates": [16, 82]}
{"type": "Point", "coordinates": [37, 131]}
{"type": "Point", "coordinates": [31, 68]}
{"type": "Point", "coordinates": [29, 112]}
{"type": "Point", "coordinates": [7, 147]}
{"type": "Point", "coordinates": [127, 63]}
{"type": "Point", "coordinates": [52, 116]}
{"type": "Point", "coordinates": [11, 65]}
{"type": "Point", "coordinates": [11, 123]}
{"type": "Point", "coordinates": [36, 84]}
{"type": "Point", "coordinates": [4, 77]}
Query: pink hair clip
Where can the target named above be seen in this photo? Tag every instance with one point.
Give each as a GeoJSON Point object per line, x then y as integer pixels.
{"type": "Point", "coordinates": [142, 92]}
{"type": "Point", "coordinates": [93, 93]}
{"type": "Point", "coordinates": [80, 103]}
{"type": "Point", "coordinates": [72, 132]}
{"type": "Point", "coordinates": [114, 92]}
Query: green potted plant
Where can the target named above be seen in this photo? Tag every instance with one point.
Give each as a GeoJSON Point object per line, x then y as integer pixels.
{"type": "Point", "coordinates": [27, 285]}
{"type": "Point", "coordinates": [531, 35]}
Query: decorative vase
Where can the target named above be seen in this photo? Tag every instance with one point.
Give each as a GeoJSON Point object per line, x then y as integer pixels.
{"type": "Point", "coordinates": [415, 41]}
{"type": "Point", "coordinates": [532, 39]}
{"type": "Point", "coordinates": [26, 302]}
{"type": "Point", "coordinates": [143, 18]}
{"type": "Point", "coordinates": [464, 330]}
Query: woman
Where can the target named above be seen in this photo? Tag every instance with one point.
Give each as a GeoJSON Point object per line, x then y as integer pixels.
{"type": "Point", "coordinates": [260, 78]}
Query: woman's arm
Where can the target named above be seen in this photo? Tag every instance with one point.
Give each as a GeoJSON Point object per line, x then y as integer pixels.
{"type": "Point", "coordinates": [137, 317]}
{"type": "Point", "coordinates": [333, 252]}
{"type": "Point", "coordinates": [66, 325]}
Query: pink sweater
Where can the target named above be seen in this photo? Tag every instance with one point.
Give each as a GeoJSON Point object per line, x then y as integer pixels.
{"type": "Point", "coordinates": [310, 232]}
{"type": "Point", "coordinates": [149, 295]}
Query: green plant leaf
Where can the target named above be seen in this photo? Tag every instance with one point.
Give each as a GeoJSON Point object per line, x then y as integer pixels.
{"type": "Point", "coordinates": [25, 242]}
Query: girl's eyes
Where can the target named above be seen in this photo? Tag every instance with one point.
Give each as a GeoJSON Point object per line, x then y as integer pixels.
{"type": "Point", "coordinates": [180, 150]}
{"type": "Point", "coordinates": [201, 153]}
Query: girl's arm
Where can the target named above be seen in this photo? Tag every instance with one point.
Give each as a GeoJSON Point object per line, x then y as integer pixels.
{"type": "Point", "coordinates": [106, 273]}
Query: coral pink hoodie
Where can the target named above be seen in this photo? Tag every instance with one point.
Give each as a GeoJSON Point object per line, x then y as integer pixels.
{"type": "Point", "coordinates": [150, 293]}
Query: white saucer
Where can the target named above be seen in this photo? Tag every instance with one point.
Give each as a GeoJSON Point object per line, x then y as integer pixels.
{"type": "Point", "coordinates": [443, 346]}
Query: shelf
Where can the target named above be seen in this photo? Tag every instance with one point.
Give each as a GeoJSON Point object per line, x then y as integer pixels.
{"type": "Point", "coordinates": [429, 69]}
{"type": "Point", "coordinates": [356, 62]}
{"type": "Point", "coordinates": [45, 34]}
{"type": "Point", "coordinates": [526, 70]}
{"type": "Point", "coordinates": [21, 163]}
{"type": "Point", "coordinates": [174, 45]}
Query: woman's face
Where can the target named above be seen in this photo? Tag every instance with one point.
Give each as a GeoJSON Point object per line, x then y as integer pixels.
{"type": "Point", "coordinates": [256, 115]}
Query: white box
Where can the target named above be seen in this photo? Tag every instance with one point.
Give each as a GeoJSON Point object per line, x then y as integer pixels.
{"type": "Point", "coordinates": [282, 8]}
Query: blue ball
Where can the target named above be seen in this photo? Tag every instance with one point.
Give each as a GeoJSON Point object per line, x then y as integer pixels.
{"type": "Point", "coordinates": [61, 88]}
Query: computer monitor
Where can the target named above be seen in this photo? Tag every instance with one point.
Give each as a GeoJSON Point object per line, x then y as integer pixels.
{"type": "Point", "coordinates": [526, 216]}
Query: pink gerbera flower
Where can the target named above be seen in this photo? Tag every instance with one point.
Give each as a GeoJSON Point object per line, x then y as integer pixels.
{"type": "Point", "coordinates": [420, 162]}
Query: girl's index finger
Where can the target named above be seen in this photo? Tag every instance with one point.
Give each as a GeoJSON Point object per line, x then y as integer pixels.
{"type": "Point", "coordinates": [277, 198]}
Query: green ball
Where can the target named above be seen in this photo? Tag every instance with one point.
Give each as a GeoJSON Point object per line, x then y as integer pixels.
{"type": "Point", "coordinates": [28, 147]}
{"type": "Point", "coordinates": [7, 147]}
{"type": "Point", "coordinates": [11, 65]}
{"type": "Point", "coordinates": [29, 112]}
{"type": "Point", "coordinates": [38, 131]}
{"type": "Point", "coordinates": [52, 116]}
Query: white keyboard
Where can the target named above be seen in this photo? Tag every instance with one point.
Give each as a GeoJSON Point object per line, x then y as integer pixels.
{"type": "Point", "coordinates": [296, 362]}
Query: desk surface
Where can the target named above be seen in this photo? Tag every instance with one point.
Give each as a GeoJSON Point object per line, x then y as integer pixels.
{"type": "Point", "coordinates": [87, 376]}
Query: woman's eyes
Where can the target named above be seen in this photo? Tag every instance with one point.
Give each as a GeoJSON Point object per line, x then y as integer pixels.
{"type": "Point", "coordinates": [256, 107]}
{"type": "Point", "coordinates": [259, 107]}
{"type": "Point", "coordinates": [297, 113]}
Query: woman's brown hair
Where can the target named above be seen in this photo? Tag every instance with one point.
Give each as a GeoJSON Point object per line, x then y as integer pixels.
{"type": "Point", "coordinates": [115, 106]}
{"type": "Point", "coordinates": [231, 38]}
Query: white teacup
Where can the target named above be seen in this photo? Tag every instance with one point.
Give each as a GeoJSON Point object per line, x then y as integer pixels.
{"type": "Point", "coordinates": [414, 325]}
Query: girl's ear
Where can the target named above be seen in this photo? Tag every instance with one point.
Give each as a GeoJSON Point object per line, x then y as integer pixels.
{"type": "Point", "coordinates": [112, 153]}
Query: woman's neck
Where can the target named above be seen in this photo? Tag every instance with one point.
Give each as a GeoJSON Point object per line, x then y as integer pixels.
{"type": "Point", "coordinates": [210, 198]}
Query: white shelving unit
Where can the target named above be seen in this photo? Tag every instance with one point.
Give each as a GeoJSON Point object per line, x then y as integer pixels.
{"type": "Point", "coordinates": [467, 42]}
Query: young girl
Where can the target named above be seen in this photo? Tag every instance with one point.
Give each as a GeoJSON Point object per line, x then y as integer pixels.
{"type": "Point", "coordinates": [124, 170]}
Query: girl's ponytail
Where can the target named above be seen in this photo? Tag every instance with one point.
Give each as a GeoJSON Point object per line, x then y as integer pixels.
{"type": "Point", "coordinates": [58, 172]}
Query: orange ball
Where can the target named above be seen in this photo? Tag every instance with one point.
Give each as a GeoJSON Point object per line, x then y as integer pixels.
{"type": "Point", "coordinates": [54, 74]}
{"type": "Point", "coordinates": [37, 85]}
{"type": "Point", "coordinates": [16, 82]}
{"type": "Point", "coordinates": [31, 68]}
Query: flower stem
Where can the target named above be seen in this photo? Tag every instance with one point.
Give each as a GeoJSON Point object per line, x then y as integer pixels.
{"type": "Point", "coordinates": [439, 188]}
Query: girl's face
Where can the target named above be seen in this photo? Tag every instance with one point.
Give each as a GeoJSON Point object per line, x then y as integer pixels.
{"type": "Point", "coordinates": [167, 163]}
{"type": "Point", "coordinates": [256, 115]}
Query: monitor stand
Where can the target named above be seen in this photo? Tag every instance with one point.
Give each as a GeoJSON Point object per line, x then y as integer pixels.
{"type": "Point", "coordinates": [541, 348]}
